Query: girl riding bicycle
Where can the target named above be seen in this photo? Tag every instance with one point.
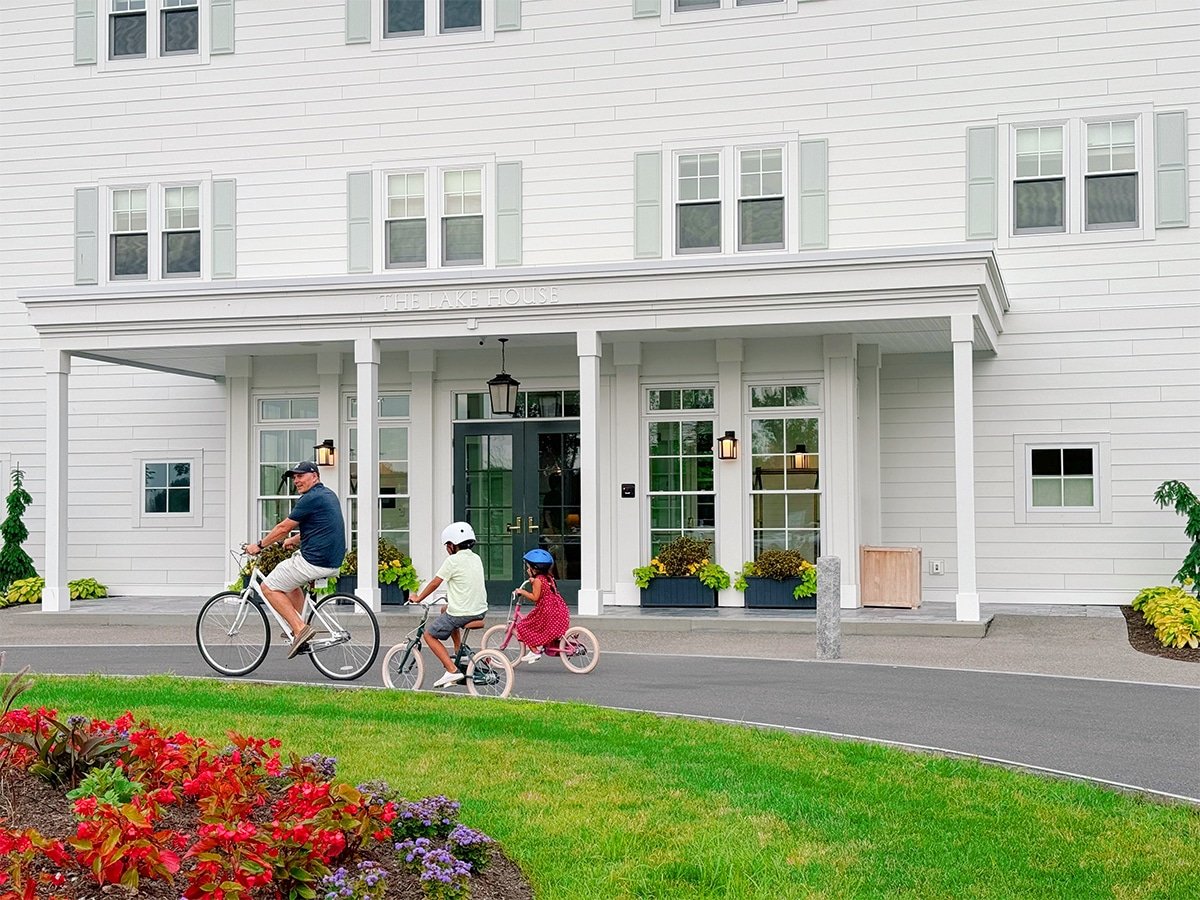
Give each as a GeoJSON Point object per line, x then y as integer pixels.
{"type": "Point", "coordinates": [550, 618]}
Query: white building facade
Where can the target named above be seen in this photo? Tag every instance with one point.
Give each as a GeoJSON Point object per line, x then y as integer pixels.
{"type": "Point", "coordinates": [932, 264]}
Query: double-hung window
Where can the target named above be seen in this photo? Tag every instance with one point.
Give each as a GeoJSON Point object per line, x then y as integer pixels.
{"type": "Point", "coordinates": [407, 227]}
{"type": "Point", "coordinates": [1039, 185]}
{"type": "Point", "coordinates": [698, 203]}
{"type": "Point", "coordinates": [138, 29]}
{"type": "Point", "coordinates": [154, 229]}
{"type": "Point", "coordinates": [127, 29]}
{"type": "Point", "coordinates": [760, 199]}
{"type": "Point", "coordinates": [679, 446]}
{"type": "Point", "coordinates": [680, 12]}
{"type": "Point", "coordinates": [1110, 184]}
{"type": "Point", "coordinates": [462, 217]}
{"type": "Point", "coordinates": [756, 216]}
{"type": "Point", "coordinates": [129, 236]}
{"type": "Point", "coordinates": [409, 18]}
{"type": "Point", "coordinates": [181, 231]}
{"type": "Point", "coordinates": [434, 216]}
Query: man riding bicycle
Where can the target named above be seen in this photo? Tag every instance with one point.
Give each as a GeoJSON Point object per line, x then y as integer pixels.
{"type": "Point", "coordinates": [322, 541]}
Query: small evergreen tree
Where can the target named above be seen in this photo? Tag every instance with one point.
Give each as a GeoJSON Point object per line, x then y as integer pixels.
{"type": "Point", "coordinates": [1179, 495]}
{"type": "Point", "coordinates": [14, 561]}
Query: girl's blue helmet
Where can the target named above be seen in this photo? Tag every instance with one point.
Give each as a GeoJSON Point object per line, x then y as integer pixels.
{"type": "Point", "coordinates": [539, 557]}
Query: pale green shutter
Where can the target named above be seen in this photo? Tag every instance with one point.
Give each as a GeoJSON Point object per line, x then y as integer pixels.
{"type": "Point", "coordinates": [814, 195]}
{"type": "Point", "coordinates": [1170, 169]}
{"type": "Point", "coordinates": [359, 240]}
{"type": "Point", "coordinates": [981, 183]}
{"type": "Point", "coordinates": [224, 228]}
{"type": "Point", "coordinates": [87, 228]}
{"type": "Point", "coordinates": [85, 32]}
{"type": "Point", "coordinates": [358, 21]}
{"type": "Point", "coordinates": [508, 15]}
{"type": "Point", "coordinates": [647, 197]}
{"type": "Point", "coordinates": [221, 19]}
{"type": "Point", "coordinates": [645, 8]}
{"type": "Point", "coordinates": [508, 214]}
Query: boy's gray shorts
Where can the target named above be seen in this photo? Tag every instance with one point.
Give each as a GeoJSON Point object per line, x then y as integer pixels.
{"type": "Point", "coordinates": [441, 627]}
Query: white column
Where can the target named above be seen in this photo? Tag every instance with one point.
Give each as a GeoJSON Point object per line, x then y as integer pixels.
{"type": "Point", "coordinates": [588, 346]}
{"type": "Point", "coordinates": [962, 333]}
{"type": "Point", "coordinates": [329, 413]}
{"type": "Point", "coordinates": [240, 457]}
{"type": "Point", "coordinates": [421, 365]}
{"type": "Point", "coordinates": [626, 447]}
{"type": "Point", "coordinates": [56, 597]}
{"type": "Point", "coordinates": [839, 462]}
{"type": "Point", "coordinates": [366, 361]}
{"type": "Point", "coordinates": [870, 490]}
{"type": "Point", "coordinates": [727, 479]}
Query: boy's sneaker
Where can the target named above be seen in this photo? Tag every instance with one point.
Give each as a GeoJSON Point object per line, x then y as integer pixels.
{"type": "Point", "coordinates": [448, 679]}
{"type": "Point", "coordinates": [531, 657]}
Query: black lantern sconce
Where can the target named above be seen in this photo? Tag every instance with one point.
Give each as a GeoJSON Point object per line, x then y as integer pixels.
{"type": "Point", "coordinates": [503, 389]}
{"type": "Point", "coordinates": [727, 446]}
{"type": "Point", "coordinates": [324, 450]}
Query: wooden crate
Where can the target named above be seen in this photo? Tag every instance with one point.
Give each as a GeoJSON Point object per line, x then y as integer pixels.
{"type": "Point", "coordinates": [890, 576]}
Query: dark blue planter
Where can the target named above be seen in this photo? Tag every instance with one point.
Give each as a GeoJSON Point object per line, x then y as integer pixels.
{"type": "Point", "coordinates": [767, 593]}
{"type": "Point", "coordinates": [670, 591]}
{"type": "Point", "coordinates": [390, 594]}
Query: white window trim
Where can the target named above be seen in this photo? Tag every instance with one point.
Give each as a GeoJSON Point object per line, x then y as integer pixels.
{"type": "Point", "coordinates": [674, 415]}
{"type": "Point", "coordinates": [728, 10]}
{"type": "Point", "coordinates": [193, 519]}
{"type": "Point", "coordinates": [155, 217]}
{"type": "Point", "coordinates": [154, 56]}
{"type": "Point", "coordinates": [350, 423]}
{"type": "Point", "coordinates": [1025, 513]}
{"type": "Point", "coordinates": [434, 201]}
{"type": "Point", "coordinates": [730, 193]}
{"type": "Point", "coordinates": [432, 37]}
{"type": "Point", "coordinates": [259, 424]}
{"type": "Point", "coordinates": [1074, 124]}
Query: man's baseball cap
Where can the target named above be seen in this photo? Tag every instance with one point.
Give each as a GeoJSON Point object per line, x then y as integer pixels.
{"type": "Point", "coordinates": [302, 468]}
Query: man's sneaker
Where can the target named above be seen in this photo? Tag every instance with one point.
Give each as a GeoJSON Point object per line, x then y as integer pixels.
{"type": "Point", "coordinates": [531, 657]}
{"type": "Point", "coordinates": [303, 636]}
{"type": "Point", "coordinates": [448, 679]}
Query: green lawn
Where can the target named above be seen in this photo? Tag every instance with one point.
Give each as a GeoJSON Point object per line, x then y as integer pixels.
{"type": "Point", "coordinates": [596, 803]}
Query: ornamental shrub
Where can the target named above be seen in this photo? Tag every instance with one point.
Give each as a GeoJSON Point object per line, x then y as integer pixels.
{"type": "Point", "coordinates": [1179, 495]}
{"type": "Point", "coordinates": [15, 563]}
{"type": "Point", "coordinates": [1173, 613]}
{"type": "Point", "coordinates": [87, 589]}
{"type": "Point", "coordinates": [24, 590]}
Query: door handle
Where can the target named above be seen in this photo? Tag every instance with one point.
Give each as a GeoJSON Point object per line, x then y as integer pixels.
{"type": "Point", "coordinates": [515, 526]}
{"type": "Point", "coordinates": [532, 527]}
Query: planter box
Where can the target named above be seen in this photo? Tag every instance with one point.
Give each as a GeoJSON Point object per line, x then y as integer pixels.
{"type": "Point", "coordinates": [668, 591]}
{"type": "Point", "coordinates": [390, 594]}
{"type": "Point", "coordinates": [767, 593]}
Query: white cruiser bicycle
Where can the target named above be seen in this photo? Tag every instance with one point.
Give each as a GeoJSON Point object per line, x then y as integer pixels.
{"type": "Point", "coordinates": [234, 634]}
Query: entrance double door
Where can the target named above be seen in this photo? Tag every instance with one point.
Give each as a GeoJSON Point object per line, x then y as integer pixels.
{"type": "Point", "coordinates": [517, 483]}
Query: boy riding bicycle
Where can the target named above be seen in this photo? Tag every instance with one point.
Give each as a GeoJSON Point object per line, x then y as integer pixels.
{"type": "Point", "coordinates": [466, 597]}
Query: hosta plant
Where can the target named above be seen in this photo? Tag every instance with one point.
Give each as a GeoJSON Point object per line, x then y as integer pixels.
{"type": "Point", "coordinates": [87, 589]}
{"type": "Point", "coordinates": [1173, 613]}
{"type": "Point", "coordinates": [781, 564]}
{"type": "Point", "coordinates": [25, 590]}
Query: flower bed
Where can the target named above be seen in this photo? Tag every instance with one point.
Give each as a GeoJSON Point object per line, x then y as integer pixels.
{"type": "Point", "coordinates": [172, 816]}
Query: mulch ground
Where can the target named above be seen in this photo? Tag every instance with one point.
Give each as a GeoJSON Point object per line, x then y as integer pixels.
{"type": "Point", "coordinates": [1142, 639]}
{"type": "Point", "coordinates": [29, 802]}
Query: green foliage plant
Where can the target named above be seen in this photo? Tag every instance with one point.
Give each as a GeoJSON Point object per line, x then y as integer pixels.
{"type": "Point", "coordinates": [1173, 613]}
{"type": "Point", "coordinates": [25, 590]}
{"type": "Point", "coordinates": [64, 753]}
{"type": "Point", "coordinates": [394, 566]}
{"type": "Point", "coordinates": [1180, 496]}
{"type": "Point", "coordinates": [779, 565]}
{"type": "Point", "coordinates": [15, 563]}
{"type": "Point", "coordinates": [87, 589]}
{"type": "Point", "coordinates": [684, 557]}
{"type": "Point", "coordinates": [107, 784]}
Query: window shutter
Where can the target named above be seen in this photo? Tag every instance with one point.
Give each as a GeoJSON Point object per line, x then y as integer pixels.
{"type": "Point", "coordinates": [358, 21]}
{"type": "Point", "coordinates": [85, 32]}
{"type": "Point", "coordinates": [814, 195]}
{"type": "Point", "coordinates": [981, 183]}
{"type": "Point", "coordinates": [221, 19]}
{"type": "Point", "coordinates": [87, 227]}
{"type": "Point", "coordinates": [359, 256]}
{"type": "Point", "coordinates": [1171, 174]}
{"type": "Point", "coordinates": [643, 8]}
{"type": "Point", "coordinates": [647, 223]}
{"type": "Point", "coordinates": [224, 228]}
{"type": "Point", "coordinates": [508, 214]}
{"type": "Point", "coordinates": [508, 15]}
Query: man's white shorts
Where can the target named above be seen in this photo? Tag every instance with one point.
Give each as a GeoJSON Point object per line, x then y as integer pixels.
{"type": "Point", "coordinates": [295, 572]}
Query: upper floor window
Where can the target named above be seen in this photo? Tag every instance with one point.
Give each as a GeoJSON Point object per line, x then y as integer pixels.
{"type": "Point", "coordinates": [1039, 187]}
{"type": "Point", "coordinates": [754, 177]}
{"type": "Point", "coordinates": [128, 240]}
{"type": "Point", "coordinates": [1111, 181]}
{"type": "Point", "coordinates": [141, 28]}
{"type": "Point", "coordinates": [181, 231]}
{"type": "Point", "coordinates": [406, 225]}
{"type": "Point", "coordinates": [462, 217]}
{"type": "Point", "coordinates": [683, 11]}
{"type": "Point", "coordinates": [455, 204]}
{"type": "Point", "coordinates": [409, 17]}
{"type": "Point", "coordinates": [174, 222]}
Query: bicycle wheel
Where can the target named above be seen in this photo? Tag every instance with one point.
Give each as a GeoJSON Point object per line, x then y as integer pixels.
{"type": "Point", "coordinates": [580, 651]}
{"type": "Point", "coordinates": [404, 672]}
{"type": "Point", "coordinates": [489, 674]}
{"type": "Point", "coordinates": [494, 637]}
{"type": "Point", "coordinates": [232, 633]}
{"type": "Point", "coordinates": [347, 639]}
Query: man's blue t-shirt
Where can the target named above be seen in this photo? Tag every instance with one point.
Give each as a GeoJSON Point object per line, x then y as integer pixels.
{"type": "Point", "coordinates": [322, 530]}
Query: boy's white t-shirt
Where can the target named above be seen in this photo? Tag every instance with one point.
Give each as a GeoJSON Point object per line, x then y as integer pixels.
{"type": "Point", "coordinates": [466, 595]}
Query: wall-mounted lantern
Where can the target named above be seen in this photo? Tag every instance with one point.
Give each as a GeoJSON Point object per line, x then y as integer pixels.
{"type": "Point", "coordinates": [325, 452]}
{"type": "Point", "coordinates": [727, 446]}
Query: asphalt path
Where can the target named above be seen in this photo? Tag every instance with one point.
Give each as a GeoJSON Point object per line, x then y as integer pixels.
{"type": "Point", "coordinates": [1129, 734]}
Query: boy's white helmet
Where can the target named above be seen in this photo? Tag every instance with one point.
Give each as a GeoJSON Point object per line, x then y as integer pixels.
{"type": "Point", "coordinates": [457, 533]}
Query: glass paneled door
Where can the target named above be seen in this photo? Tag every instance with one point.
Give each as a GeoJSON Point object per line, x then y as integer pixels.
{"type": "Point", "coordinates": [517, 483]}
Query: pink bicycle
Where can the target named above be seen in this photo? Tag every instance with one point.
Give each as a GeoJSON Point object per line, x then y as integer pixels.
{"type": "Point", "coordinates": [578, 648]}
